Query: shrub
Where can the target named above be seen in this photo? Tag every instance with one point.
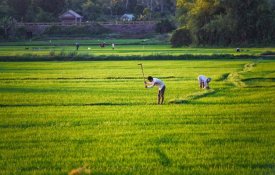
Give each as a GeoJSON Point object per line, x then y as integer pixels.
{"type": "Point", "coordinates": [62, 53]}
{"type": "Point", "coordinates": [52, 53]}
{"type": "Point", "coordinates": [21, 32]}
{"type": "Point", "coordinates": [165, 26]}
{"type": "Point", "coordinates": [181, 37]}
{"type": "Point", "coordinates": [87, 30]}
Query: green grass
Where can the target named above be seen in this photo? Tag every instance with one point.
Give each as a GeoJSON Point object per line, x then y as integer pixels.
{"type": "Point", "coordinates": [124, 47]}
{"type": "Point", "coordinates": [58, 116]}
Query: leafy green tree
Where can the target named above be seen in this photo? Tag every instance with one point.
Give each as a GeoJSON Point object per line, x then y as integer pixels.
{"type": "Point", "coordinates": [253, 18]}
{"type": "Point", "coordinates": [91, 9]}
{"type": "Point", "coordinates": [49, 10]}
{"type": "Point", "coordinates": [43, 16]}
{"type": "Point", "coordinates": [147, 13]}
{"type": "Point", "coordinates": [31, 14]}
{"type": "Point", "coordinates": [224, 22]}
{"type": "Point", "coordinates": [118, 8]}
{"type": "Point", "coordinates": [7, 24]}
{"type": "Point", "coordinates": [181, 37]}
{"type": "Point", "coordinates": [165, 26]}
{"type": "Point", "coordinates": [18, 8]}
{"type": "Point", "coordinates": [138, 10]}
{"type": "Point", "coordinates": [4, 8]}
{"type": "Point", "coordinates": [52, 6]}
{"type": "Point", "coordinates": [75, 5]}
{"type": "Point", "coordinates": [130, 6]}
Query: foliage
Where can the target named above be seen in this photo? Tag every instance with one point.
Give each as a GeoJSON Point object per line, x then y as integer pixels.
{"type": "Point", "coordinates": [46, 11]}
{"type": "Point", "coordinates": [20, 32]}
{"type": "Point", "coordinates": [89, 30]}
{"type": "Point", "coordinates": [165, 26]}
{"type": "Point", "coordinates": [146, 14]}
{"type": "Point", "coordinates": [181, 37]}
{"type": "Point", "coordinates": [7, 24]}
{"type": "Point", "coordinates": [227, 22]}
{"type": "Point", "coordinates": [91, 9]}
{"type": "Point", "coordinates": [4, 8]}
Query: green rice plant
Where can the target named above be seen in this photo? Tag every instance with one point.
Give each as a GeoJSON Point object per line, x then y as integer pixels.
{"type": "Point", "coordinates": [191, 97]}
{"type": "Point", "coordinates": [52, 53]}
{"type": "Point", "coordinates": [236, 80]}
{"type": "Point", "coordinates": [62, 53]}
{"type": "Point", "coordinates": [60, 115]}
{"type": "Point", "coordinates": [72, 54]}
{"type": "Point", "coordinates": [134, 49]}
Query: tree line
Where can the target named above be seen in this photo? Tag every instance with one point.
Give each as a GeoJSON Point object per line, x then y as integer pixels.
{"type": "Point", "coordinates": [199, 22]}
{"type": "Point", "coordinates": [225, 22]}
{"type": "Point", "coordinates": [92, 10]}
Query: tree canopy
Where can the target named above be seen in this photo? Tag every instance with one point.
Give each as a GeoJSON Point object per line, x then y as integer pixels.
{"type": "Point", "coordinates": [47, 11]}
{"type": "Point", "coordinates": [202, 22]}
{"type": "Point", "coordinates": [225, 22]}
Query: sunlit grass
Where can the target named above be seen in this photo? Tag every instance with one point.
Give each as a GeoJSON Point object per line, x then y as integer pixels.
{"type": "Point", "coordinates": [124, 50]}
{"type": "Point", "coordinates": [58, 116]}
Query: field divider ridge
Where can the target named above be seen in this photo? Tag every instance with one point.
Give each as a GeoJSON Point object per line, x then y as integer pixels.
{"type": "Point", "coordinates": [235, 78]}
{"type": "Point", "coordinates": [192, 97]}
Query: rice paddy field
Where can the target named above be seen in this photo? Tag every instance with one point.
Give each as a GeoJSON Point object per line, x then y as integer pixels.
{"type": "Point", "coordinates": [56, 117]}
{"type": "Point", "coordinates": [123, 47]}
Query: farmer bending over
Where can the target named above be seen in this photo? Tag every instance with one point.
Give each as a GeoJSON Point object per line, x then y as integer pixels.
{"type": "Point", "coordinates": [156, 82]}
{"type": "Point", "coordinates": [204, 82]}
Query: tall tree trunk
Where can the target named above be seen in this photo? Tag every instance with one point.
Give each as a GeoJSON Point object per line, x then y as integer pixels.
{"type": "Point", "coordinates": [126, 4]}
{"type": "Point", "coordinates": [161, 6]}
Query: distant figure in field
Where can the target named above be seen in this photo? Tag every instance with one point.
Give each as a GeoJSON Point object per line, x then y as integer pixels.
{"type": "Point", "coordinates": [204, 82]}
{"type": "Point", "coordinates": [113, 46]}
{"type": "Point", "coordinates": [156, 82]}
{"type": "Point", "coordinates": [77, 46]}
{"type": "Point", "coordinates": [238, 50]}
{"type": "Point", "coordinates": [102, 45]}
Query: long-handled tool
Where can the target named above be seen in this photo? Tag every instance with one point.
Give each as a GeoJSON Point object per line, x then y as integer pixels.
{"type": "Point", "coordinates": [142, 71]}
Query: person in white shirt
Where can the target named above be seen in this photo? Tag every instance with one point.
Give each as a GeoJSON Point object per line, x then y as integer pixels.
{"type": "Point", "coordinates": [204, 82]}
{"type": "Point", "coordinates": [156, 82]}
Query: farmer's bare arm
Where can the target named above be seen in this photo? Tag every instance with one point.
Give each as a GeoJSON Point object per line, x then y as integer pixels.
{"type": "Point", "coordinates": [148, 83]}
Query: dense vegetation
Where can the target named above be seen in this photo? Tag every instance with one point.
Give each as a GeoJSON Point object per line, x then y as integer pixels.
{"type": "Point", "coordinates": [57, 116]}
{"type": "Point", "coordinates": [43, 11]}
{"type": "Point", "coordinates": [89, 30]}
{"type": "Point", "coordinates": [199, 22]}
{"type": "Point", "coordinates": [227, 22]}
{"type": "Point", "coordinates": [13, 11]}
